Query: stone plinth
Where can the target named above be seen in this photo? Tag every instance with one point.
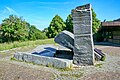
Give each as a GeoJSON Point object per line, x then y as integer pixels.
{"type": "Point", "coordinates": [83, 40]}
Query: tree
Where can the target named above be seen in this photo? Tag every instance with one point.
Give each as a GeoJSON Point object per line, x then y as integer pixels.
{"type": "Point", "coordinates": [95, 22]}
{"type": "Point", "coordinates": [45, 30]}
{"type": "Point", "coordinates": [15, 28]}
{"type": "Point", "coordinates": [57, 25]}
{"type": "Point", "coordinates": [35, 33]}
{"type": "Point", "coordinates": [69, 24]}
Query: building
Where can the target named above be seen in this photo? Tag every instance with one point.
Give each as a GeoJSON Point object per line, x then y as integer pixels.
{"type": "Point", "coordinates": [111, 31]}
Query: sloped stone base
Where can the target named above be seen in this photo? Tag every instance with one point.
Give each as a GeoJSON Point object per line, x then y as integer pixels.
{"type": "Point", "coordinates": [43, 60]}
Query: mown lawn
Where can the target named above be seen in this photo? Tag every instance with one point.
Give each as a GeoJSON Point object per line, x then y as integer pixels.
{"type": "Point", "coordinates": [7, 46]}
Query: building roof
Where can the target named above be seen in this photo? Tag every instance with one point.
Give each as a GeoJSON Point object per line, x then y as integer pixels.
{"type": "Point", "coordinates": [117, 19]}
{"type": "Point", "coordinates": [111, 23]}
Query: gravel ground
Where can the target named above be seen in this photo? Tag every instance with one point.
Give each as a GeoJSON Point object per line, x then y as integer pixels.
{"type": "Point", "coordinates": [106, 70]}
{"type": "Point", "coordinates": [14, 70]}
{"type": "Point", "coordinates": [9, 71]}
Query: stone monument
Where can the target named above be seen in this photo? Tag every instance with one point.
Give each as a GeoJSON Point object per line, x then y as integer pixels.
{"type": "Point", "coordinates": [81, 43]}
{"type": "Point", "coordinates": [83, 40]}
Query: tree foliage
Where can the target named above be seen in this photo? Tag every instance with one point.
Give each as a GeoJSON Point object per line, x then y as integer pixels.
{"type": "Point", "coordinates": [95, 22]}
{"type": "Point", "coordinates": [17, 29]}
{"type": "Point", "coordinates": [35, 33]}
{"type": "Point", "coordinates": [57, 25]}
{"type": "Point", "coordinates": [69, 23]}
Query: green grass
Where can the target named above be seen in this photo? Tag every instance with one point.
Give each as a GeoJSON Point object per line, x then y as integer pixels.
{"type": "Point", "coordinates": [64, 69]}
{"type": "Point", "coordinates": [103, 58]}
{"type": "Point", "coordinates": [99, 65]}
{"type": "Point", "coordinates": [7, 46]}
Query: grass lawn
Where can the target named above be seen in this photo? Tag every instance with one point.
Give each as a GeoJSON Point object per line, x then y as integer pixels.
{"type": "Point", "coordinates": [7, 46]}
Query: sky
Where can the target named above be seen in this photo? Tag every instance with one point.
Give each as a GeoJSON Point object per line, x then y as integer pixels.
{"type": "Point", "coordinates": [41, 12]}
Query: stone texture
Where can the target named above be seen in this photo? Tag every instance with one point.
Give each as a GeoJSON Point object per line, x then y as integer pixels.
{"type": "Point", "coordinates": [45, 50]}
{"type": "Point", "coordinates": [81, 18]}
{"type": "Point", "coordinates": [82, 44]}
{"type": "Point", "coordinates": [18, 56]}
{"type": "Point", "coordinates": [83, 41]}
{"type": "Point", "coordinates": [82, 14]}
{"type": "Point", "coordinates": [84, 7]}
{"type": "Point", "coordinates": [43, 60]}
{"type": "Point", "coordinates": [66, 39]}
{"type": "Point", "coordinates": [81, 29]}
{"type": "Point", "coordinates": [27, 57]}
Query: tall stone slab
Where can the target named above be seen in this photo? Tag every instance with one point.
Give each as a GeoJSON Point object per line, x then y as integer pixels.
{"type": "Point", "coordinates": [83, 40]}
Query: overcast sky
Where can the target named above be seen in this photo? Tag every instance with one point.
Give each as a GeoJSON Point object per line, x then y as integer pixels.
{"type": "Point", "coordinates": [41, 12]}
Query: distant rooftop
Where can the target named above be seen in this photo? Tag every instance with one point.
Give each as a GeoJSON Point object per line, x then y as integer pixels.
{"type": "Point", "coordinates": [117, 19]}
{"type": "Point", "coordinates": [112, 23]}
